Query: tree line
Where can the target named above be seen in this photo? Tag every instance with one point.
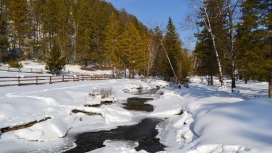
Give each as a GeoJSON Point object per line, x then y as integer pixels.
{"type": "Point", "coordinates": [87, 32]}
{"type": "Point", "coordinates": [234, 38]}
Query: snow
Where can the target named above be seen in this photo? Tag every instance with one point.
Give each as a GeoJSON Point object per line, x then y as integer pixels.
{"type": "Point", "coordinates": [213, 121]}
{"type": "Point", "coordinates": [118, 147]}
{"type": "Point", "coordinates": [59, 127]}
{"type": "Point", "coordinates": [28, 134]}
{"type": "Point", "coordinates": [113, 114]}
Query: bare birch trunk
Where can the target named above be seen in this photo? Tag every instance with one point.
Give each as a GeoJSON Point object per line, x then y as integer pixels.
{"type": "Point", "coordinates": [209, 27]}
{"type": "Point", "coordinates": [270, 84]}
{"type": "Point", "coordinates": [231, 49]}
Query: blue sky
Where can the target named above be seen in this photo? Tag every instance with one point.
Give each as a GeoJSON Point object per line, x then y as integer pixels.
{"type": "Point", "coordinates": [157, 12]}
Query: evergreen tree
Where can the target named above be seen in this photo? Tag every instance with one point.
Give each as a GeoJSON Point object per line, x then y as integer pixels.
{"type": "Point", "coordinates": [83, 37]}
{"type": "Point", "coordinates": [185, 65]}
{"type": "Point", "coordinates": [55, 61]}
{"type": "Point", "coordinates": [18, 15]}
{"type": "Point", "coordinates": [36, 9]}
{"type": "Point", "coordinates": [99, 19]}
{"type": "Point", "coordinates": [3, 39]}
{"type": "Point", "coordinates": [113, 55]}
{"type": "Point", "coordinates": [159, 52]}
{"type": "Point", "coordinates": [172, 45]}
{"type": "Point", "coordinates": [131, 44]}
{"type": "Point", "coordinates": [254, 41]}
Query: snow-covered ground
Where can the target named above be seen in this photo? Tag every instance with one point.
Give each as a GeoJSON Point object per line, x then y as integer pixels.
{"type": "Point", "coordinates": [214, 120]}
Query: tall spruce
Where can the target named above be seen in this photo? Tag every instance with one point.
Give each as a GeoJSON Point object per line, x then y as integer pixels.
{"type": "Point", "coordinates": [172, 45]}
{"type": "Point", "coordinates": [83, 37]}
{"type": "Point", "coordinates": [254, 41]}
{"type": "Point", "coordinates": [55, 60]}
{"type": "Point", "coordinates": [3, 39]}
{"type": "Point", "coordinates": [131, 44]}
{"type": "Point", "coordinates": [113, 55]}
{"type": "Point", "coordinates": [100, 17]}
{"type": "Point", "coordinates": [19, 21]}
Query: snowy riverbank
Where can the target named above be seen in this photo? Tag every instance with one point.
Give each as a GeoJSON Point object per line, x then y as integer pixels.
{"type": "Point", "coordinates": [213, 120]}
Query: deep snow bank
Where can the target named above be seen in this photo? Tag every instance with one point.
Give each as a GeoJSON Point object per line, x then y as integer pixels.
{"type": "Point", "coordinates": [236, 127]}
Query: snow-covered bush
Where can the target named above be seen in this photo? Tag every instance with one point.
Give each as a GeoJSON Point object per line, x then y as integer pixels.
{"type": "Point", "coordinates": [103, 92]}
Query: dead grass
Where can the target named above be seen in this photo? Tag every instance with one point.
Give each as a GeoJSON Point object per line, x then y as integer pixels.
{"type": "Point", "coordinates": [18, 127]}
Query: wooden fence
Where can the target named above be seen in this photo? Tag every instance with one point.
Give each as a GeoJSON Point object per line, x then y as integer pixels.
{"type": "Point", "coordinates": [22, 70]}
{"type": "Point", "coordinates": [37, 80]}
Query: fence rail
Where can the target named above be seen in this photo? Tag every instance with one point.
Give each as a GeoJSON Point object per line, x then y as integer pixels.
{"type": "Point", "coordinates": [37, 80]}
{"type": "Point", "coordinates": [22, 70]}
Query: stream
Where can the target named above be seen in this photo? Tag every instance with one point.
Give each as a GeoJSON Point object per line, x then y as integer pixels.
{"type": "Point", "coordinates": [143, 132]}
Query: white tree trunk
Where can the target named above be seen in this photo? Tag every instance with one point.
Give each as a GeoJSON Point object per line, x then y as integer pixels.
{"type": "Point", "coordinates": [208, 26]}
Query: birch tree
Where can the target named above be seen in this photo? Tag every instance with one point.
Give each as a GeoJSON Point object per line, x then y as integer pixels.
{"type": "Point", "coordinates": [200, 7]}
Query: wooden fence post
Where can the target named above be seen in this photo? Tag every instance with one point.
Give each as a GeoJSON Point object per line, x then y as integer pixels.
{"type": "Point", "coordinates": [62, 78]}
{"type": "Point", "coordinates": [8, 68]}
{"type": "Point", "coordinates": [36, 80]}
{"type": "Point", "coordinates": [82, 77]}
{"type": "Point", "coordinates": [91, 78]}
{"type": "Point", "coordinates": [73, 78]}
{"type": "Point", "coordinates": [41, 70]}
{"type": "Point", "coordinates": [50, 80]}
{"type": "Point", "coordinates": [18, 80]}
{"type": "Point", "coordinates": [30, 70]}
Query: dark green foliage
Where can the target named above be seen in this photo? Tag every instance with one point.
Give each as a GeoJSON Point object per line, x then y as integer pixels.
{"type": "Point", "coordinates": [3, 39]}
{"type": "Point", "coordinates": [15, 64]}
{"type": "Point", "coordinates": [172, 45]}
{"type": "Point", "coordinates": [131, 44]}
{"type": "Point", "coordinates": [254, 35]}
{"type": "Point", "coordinates": [87, 32]}
{"type": "Point", "coordinates": [55, 61]}
{"type": "Point", "coordinates": [18, 15]}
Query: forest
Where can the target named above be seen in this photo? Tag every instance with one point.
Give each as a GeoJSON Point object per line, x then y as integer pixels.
{"type": "Point", "coordinates": [233, 39]}
{"type": "Point", "coordinates": [89, 32]}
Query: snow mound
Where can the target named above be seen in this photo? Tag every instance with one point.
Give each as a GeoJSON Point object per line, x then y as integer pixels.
{"type": "Point", "coordinates": [118, 147]}
{"type": "Point", "coordinates": [95, 100]}
{"type": "Point", "coordinates": [58, 126]}
{"type": "Point", "coordinates": [113, 114]}
{"type": "Point", "coordinates": [215, 148]}
{"type": "Point", "coordinates": [179, 121]}
{"type": "Point", "coordinates": [167, 106]}
{"type": "Point", "coordinates": [89, 109]}
{"type": "Point", "coordinates": [28, 134]}
{"type": "Point", "coordinates": [247, 123]}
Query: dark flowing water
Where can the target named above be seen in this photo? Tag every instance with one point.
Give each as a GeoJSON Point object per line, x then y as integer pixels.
{"type": "Point", "coordinates": [142, 92]}
{"type": "Point", "coordinates": [138, 104]}
{"type": "Point", "coordinates": [144, 133]}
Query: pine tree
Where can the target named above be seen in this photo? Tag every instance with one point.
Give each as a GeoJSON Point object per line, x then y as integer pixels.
{"type": "Point", "coordinates": [99, 19]}
{"type": "Point", "coordinates": [83, 37]}
{"type": "Point", "coordinates": [18, 15]}
{"type": "Point", "coordinates": [132, 45]}
{"type": "Point", "coordinates": [113, 56]}
{"type": "Point", "coordinates": [254, 41]}
{"type": "Point", "coordinates": [3, 39]}
{"type": "Point", "coordinates": [35, 8]}
{"type": "Point", "coordinates": [55, 61]}
{"type": "Point", "coordinates": [159, 52]}
{"type": "Point", "coordinates": [206, 63]}
{"type": "Point", "coordinates": [172, 45]}
{"type": "Point", "coordinates": [185, 65]}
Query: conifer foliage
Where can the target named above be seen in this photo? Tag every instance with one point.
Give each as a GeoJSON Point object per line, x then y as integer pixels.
{"type": "Point", "coordinates": [88, 33]}
{"type": "Point", "coordinates": [55, 61]}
